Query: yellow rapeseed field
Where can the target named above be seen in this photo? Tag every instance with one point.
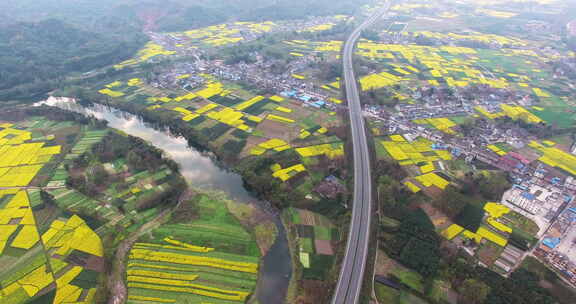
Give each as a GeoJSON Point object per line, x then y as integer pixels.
{"type": "Point", "coordinates": [452, 231]}
{"type": "Point", "coordinates": [555, 157]}
{"type": "Point", "coordinates": [330, 150]}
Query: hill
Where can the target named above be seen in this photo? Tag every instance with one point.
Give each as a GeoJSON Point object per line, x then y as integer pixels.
{"type": "Point", "coordinates": [37, 55]}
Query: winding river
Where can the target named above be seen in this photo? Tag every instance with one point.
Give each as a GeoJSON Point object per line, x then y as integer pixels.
{"type": "Point", "coordinates": [201, 171]}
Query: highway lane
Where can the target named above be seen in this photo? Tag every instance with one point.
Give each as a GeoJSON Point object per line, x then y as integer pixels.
{"type": "Point", "coordinates": [354, 263]}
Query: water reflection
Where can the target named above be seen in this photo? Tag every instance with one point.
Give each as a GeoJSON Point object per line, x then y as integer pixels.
{"type": "Point", "coordinates": [201, 171]}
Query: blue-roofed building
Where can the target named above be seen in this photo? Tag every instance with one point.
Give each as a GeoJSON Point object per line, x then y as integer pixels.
{"type": "Point", "coordinates": [551, 242]}
{"type": "Point", "coordinates": [288, 93]}
{"type": "Point", "coordinates": [528, 195]}
{"type": "Point", "coordinates": [438, 146]}
{"type": "Point", "coordinates": [318, 104]}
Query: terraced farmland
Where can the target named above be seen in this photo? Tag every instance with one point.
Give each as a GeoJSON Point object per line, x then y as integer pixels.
{"type": "Point", "coordinates": [210, 259]}
{"type": "Point", "coordinates": [51, 224]}
{"type": "Point", "coordinates": [240, 128]}
{"type": "Point", "coordinates": [45, 254]}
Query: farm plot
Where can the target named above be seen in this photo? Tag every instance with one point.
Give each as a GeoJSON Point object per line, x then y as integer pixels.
{"type": "Point", "coordinates": [386, 294]}
{"type": "Point", "coordinates": [139, 187]}
{"type": "Point", "coordinates": [316, 235]}
{"type": "Point", "coordinates": [422, 156]}
{"type": "Point", "coordinates": [117, 198]}
{"type": "Point", "coordinates": [443, 124]}
{"type": "Point", "coordinates": [56, 258]}
{"type": "Point", "coordinates": [211, 36]}
{"type": "Point", "coordinates": [237, 124]}
{"type": "Point", "coordinates": [20, 161]}
{"type": "Point", "coordinates": [517, 69]}
{"type": "Point", "coordinates": [74, 201]}
{"type": "Point", "coordinates": [555, 157]}
{"type": "Point", "coordinates": [493, 229]}
{"type": "Point", "coordinates": [89, 138]}
{"type": "Point", "coordinates": [408, 281]}
{"type": "Point", "coordinates": [64, 260]}
{"type": "Point", "coordinates": [420, 152]}
{"type": "Point", "coordinates": [236, 119]}
{"type": "Point", "coordinates": [215, 228]}
{"type": "Point", "coordinates": [211, 259]}
{"type": "Point", "coordinates": [191, 272]}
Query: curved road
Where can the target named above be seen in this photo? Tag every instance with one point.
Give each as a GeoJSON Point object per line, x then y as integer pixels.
{"type": "Point", "coordinates": [354, 263]}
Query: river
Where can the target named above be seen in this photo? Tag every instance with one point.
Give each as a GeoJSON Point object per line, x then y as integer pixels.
{"type": "Point", "coordinates": [203, 172]}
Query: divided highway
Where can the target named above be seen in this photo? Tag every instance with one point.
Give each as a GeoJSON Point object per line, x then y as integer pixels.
{"type": "Point", "coordinates": [354, 263]}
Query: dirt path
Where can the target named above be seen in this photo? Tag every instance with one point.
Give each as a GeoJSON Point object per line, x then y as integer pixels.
{"type": "Point", "coordinates": [118, 290]}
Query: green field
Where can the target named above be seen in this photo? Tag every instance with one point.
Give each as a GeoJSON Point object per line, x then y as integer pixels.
{"type": "Point", "coordinates": [389, 295]}
{"type": "Point", "coordinates": [215, 227]}
{"type": "Point", "coordinates": [386, 294]}
{"type": "Point", "coordinates": [389, 222]}
{"type": "Point", "coordinates": [322, 230]}
{"type": "Point", "coordinates": [439, 291]}
{"type": "Point", "coordinates": [409, 278]}
{"type": "Point", "coordinates": [46, 242]}
{"type": "Point", "coordinates": [212, 226]}
{"type": "Point", "coordinates": [561, 117]}
{"type": "Point", "coordinates": [408, 298]}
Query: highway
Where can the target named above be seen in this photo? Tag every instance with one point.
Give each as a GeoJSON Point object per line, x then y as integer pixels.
{"type": "Point", "coordinates": [354, 263]}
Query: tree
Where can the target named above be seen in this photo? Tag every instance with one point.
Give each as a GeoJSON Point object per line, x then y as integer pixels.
{"type": "Point", "coordinates": [473, 291]}
{"type": "Point", "coordinates": [78, 183]}
{"type": "Point", "coordinates": [416, 244]}
{"type": "Point", "coordinates": [135, 161]}
{"type": "Point", "coordinates": [493, 186]}
{"type": "Point", "coordinates": [451, 202]}
{"type": "Point", "coordinates": [470, 217]}
{"type": "Point", "coordinates": [98, 175]}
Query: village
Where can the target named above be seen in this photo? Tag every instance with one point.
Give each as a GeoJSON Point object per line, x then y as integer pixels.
{"type": "Point", "coordinates": [540, 192]}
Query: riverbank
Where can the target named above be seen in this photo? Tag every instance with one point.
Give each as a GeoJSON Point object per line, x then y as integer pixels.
{"type": "Point", "coordinates": [82, 193]}
{"type": "Point", "coordinates": [203, 172]}
{"type": "Point", "coordinates": [254, 171]}
{"type": "Point", "coordinates": [117, 288]}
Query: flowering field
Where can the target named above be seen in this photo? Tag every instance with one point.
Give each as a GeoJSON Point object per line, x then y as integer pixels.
{"type": "Point", "coordinates": [21, 161]}
{"type": "Point", "coordinates": [44, 254]}
{"type": "Point", "coordinates": [555, 157]}
{"type": "Point", "coordinates": [443, 124]}
{"type": "Point", "coordinates": [495, 232]}
{"type": "Point", "coordinates": [53, 254]}
{"type": "Point", "coordinates": [470, 36]}
{"type": "Point", "coordinates": [514, 112]}
{"type": "Point", "coordinates": [209, 260]}
{"type": "Point", "coordinates": [514, 67]}
{"type": "Point", "coordinates": [419, 153]}
{"type": "Point", "coordinates": [247, 126]}
{"type": "Point", "coordinates": [211, 36]}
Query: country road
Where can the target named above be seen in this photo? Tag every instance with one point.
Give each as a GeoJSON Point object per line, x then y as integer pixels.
{"type": "Point", "coordinates": [354, 263]}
